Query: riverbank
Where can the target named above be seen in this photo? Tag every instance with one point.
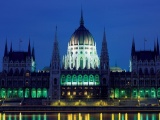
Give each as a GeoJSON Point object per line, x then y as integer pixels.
{"type": "Point", "coordinates": [88, 109]}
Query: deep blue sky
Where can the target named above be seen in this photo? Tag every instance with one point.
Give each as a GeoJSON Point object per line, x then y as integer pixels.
{"type": "Point", "coordinates": [37, 19]}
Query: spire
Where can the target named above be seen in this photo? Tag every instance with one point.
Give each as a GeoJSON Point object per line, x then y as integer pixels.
{"type": "Point", "coordinates": [104, 38]}
{"type": "Point", "coordinates": [6, 49]}
{"type": "Point", "coordinates": [133, 47]}
{"type": "Point", "coordinates": [104, 58]}
{"type": "Point", "coordinates": [55, 54]}
{"type": "Point", "coordinates": [29, 48]}
{"type": "Point", "coordinates": [81, 20]}
{"type": "Point", "coordinates": [11, 48]}
{"type": "Point", "coordinates": [56, 35]}
{"type": "Point", "coordinates": [33, 54]}
{"type": "Point", "coordinates": [157, 47]}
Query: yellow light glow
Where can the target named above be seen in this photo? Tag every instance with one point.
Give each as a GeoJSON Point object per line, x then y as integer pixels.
{"type": "Point", "coordinates": [88, 116]}
{"type": "Point", "coordinates": [80, 116]}
{"type": "Point", "coordinates": [59, 116]}
{"type": "Point", "coordinates": [139, 116]}
{"type": "Point", "coordinates": [74, 117]}
{"type": "Point", "coordinates": [4, 116]}
{"type": "Point", "coordinates": [119, 116]}
{"type": "Point", "coordinates": [101, 116]}
{"type": "Point", "coordinates": [69, 116]}
{"type": "Point", "coordinates": [126, 116]}
{"type": "Point", "coordinates": [20, 116]}
{"type": "Point", "coordinates": [112, 116]}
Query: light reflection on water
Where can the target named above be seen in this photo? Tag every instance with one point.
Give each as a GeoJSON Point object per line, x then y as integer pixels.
{"type": "Point", "coordinates": [79, 116]}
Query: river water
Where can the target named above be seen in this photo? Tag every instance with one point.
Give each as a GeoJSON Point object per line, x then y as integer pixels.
{"type": "Point", "coordinates": [79, 116]}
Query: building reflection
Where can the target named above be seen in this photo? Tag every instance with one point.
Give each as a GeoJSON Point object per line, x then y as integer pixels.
{"type": "Point", "coordinates": [80, 116]}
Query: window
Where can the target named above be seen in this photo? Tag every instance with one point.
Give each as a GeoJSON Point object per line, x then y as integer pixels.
{"type": "Point", "coordinates": [27, 74]}
{"type": "Point", "coordinates": [55, 81]}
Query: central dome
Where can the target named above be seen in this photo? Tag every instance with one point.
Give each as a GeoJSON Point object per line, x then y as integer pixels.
{"type": "Point", "coordinates": [81, 52]}
{"type": "Point", "coordinates": [81, 36]}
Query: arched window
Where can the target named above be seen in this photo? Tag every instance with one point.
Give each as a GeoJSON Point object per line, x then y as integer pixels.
{"type": "Point", "coordinates": [22, 71]}
{"type": "Point", "coordinates": [74, 80]}
{"type": "Point", "coordinates": [39, 93]}
{"type": "Point", "coordinates": [63, 80]}
{"type": "Point", "coordinates": [91, 80]}
{"type": "Point", "coordinates": [11, 71]}
{"type": "Point", "coordinates": [20, 93]}
{"type": "Point", "coordinates": [80, 80]}
{"type": "Point", "coordinates": [15, 93]}
{"type": "Point", "coordinates": [3, 93]}
{"type": "Point", "coordinates": [146, 70]}
{"type": "Point", "coordinates": [76, 62]}
{"type": "Point", "coordinates": [104, 81]}
{"type": "Point", "coordinates": [97, 82]}
{"type": "Point", "coordinates": [116, 93]}
{"type": "Point", "coordinates": [17, 71]}
{"type": "Point", "coordinates": [9, 93]}
{"type": "Point", "coordinates": [87, 63]}
{"type": "Point", "coordinates": [55, 81]}
{"type": "Point", "coordinates": [33, 93]}
{"type": "Point", "coordinates": [140, 71]}
{"type": "Point", "coordinates": [68, 80]}
{"type": "Point", "coordinates": [26, 94]}
{"type": "Point", "coordinates": [81, 63]}
{"type": "Point", "coordinates": [85, 80]}
{"type": "Point", "coordinates": [151, 71]}
{"type": "Point", "coordinates": [44, 93]}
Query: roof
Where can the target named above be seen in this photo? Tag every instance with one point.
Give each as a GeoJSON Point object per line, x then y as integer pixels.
{"type": "Point", "coordinates": [81, 36]}
{"type": "Point", "coordinates": [145, 55]}
{"type": "Point", "coordinates": [18, 56]}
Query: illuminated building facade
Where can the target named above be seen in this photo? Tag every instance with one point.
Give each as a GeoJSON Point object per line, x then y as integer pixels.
{"type": "Point", "coordinates": [144, 79]}
{"type": "Point", "coordinates": [19, 78]}
{"type": "Point", "coordinates": [81, 75]}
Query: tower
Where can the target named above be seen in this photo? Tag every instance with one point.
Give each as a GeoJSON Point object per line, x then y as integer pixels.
{"type": "Point", "coordinates": [132, 54]}
{"type": "Point", "coordinates": [18, 62]}
{"type": "Point", "coordinates": [54, 89]}
{"type": "Point", "coordinates": [5, 58]}
{"type": "Point", "coordinates": [33, 60]}
{"type": "Point", "coordinates": [104, 67]}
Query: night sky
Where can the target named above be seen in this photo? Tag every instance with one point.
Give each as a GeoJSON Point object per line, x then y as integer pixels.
{"type": "Point", "coordinates": [37, 20]}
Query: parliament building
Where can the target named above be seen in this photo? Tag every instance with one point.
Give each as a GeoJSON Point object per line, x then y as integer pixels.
{"type": "Point", "coordinates": [81, 73]}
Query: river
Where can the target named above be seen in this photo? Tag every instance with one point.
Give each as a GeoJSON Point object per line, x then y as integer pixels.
{"type": "Point", "coordinates": [79, 116]}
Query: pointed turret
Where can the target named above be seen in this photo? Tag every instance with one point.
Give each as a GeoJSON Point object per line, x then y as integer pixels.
{"type": "Point", "coordinates": [157, 47]}
{"type": "Point", "coordinates": [55, 71]}
{"type": "Point", "coordinates": [6, 49]}
{"type": "Point", "coordinates": [11, 48]}
{"type": "Point", "coordinates": [133, 47]}
{"type": "Point", "coordinates": [29, 48]}
{"type": "Point", "coordinates": [81, 20]}
{"type": "Point", "coordinates": [55, 54]}
{"type": "Point", "coordinates": [104, 58]}
{"type": "Point", "coordinates": [104, 68]}
{"type": "Point", "coordinates": [33, 54]}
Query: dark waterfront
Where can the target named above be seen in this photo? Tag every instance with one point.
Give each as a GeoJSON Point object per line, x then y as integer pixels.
{"type": "Point", "coordinates": [79, 116]}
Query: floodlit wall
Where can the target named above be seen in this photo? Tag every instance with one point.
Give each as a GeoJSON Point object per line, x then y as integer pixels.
{"type": "Point", "coordinates": [135, 93]}
{"type": "Point", "coordinates": [23, 93]}
{"type": "Point", "coordinates": [80, 80]}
